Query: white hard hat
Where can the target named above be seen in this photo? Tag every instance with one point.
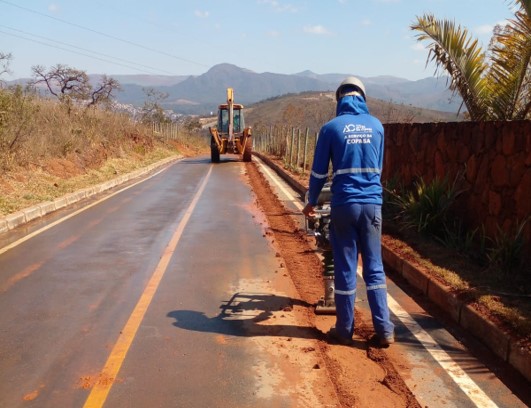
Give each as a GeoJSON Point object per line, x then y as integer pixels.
{"type": "Point", "coordinates": [349, 85]}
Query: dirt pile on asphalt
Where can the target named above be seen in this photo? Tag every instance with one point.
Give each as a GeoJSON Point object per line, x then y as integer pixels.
{"type": "Point", "coordinates": [362, 374]}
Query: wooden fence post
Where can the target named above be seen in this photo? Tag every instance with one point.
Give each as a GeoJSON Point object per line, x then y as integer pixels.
{"type": "Point", "coordinates": [305, 151]}
{"type": "Point", "coordinates": [298, 162]}
{"type": "Point", "coordinates": [291, 146]}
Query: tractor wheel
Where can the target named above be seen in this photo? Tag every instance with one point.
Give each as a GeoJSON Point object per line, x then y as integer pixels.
{"type": "Point", "coordinates": [247, 153]}
{"type": "Point", "coordinates": [214, 152]}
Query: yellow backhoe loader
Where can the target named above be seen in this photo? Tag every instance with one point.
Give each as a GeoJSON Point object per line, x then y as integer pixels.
{"type": "Point", "coordinates": [230, 135]}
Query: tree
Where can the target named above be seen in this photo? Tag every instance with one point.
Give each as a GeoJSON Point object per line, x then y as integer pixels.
{"type": "Point", "coordinates": [494, 85]}
{"type": "Point", "coordinates": [5, 60]}
{"type": "Point", "coordinates": [73, 85]}
{"type": "Point", "coordinates": [65, 83]}
{"type": "Point", "coordinates": [103, 93]}
{"type": "Point", "coordinates": [152, 111]}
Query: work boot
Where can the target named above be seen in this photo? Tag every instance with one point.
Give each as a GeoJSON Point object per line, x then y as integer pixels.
{"type": "Point", "coordinates": [382, 341]}
{"type": "Point", "coordinates": [334, 337]}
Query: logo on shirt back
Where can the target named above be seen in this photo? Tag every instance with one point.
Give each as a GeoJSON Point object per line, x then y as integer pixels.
{"type": "Point", "coordinates": [357, 133]}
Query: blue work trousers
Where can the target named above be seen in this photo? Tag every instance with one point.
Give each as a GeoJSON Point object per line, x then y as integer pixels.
{"type": "Point", "coordinates": [357, 229]}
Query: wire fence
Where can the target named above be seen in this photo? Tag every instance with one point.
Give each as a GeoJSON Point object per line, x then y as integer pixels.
{"type": "Point", "coordinates": [294, 146]}
{"type": "Point", "coordinates": [173, 131]}
{"type": "Point", "coordinates": [180, 134]}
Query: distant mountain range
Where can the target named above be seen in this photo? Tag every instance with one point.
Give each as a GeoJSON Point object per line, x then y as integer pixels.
{"type": "Point", "coordinates": [203, 93]}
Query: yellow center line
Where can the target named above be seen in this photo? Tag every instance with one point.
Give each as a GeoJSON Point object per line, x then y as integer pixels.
{"type": "Point", "coordinates": [101, 389]}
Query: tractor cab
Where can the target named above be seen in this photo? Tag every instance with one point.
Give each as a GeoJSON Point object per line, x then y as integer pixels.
{"type": "Point", "coordinates": [237, 120]}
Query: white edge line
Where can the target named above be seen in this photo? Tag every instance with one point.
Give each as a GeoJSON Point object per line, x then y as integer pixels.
{"type": "Point", "coordinates": [458, 375]}
{"type": "Point", "coordinates": [59, 221]}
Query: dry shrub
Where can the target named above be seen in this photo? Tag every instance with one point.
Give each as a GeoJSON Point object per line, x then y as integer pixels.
{"type": "Point", "coordinates": [33, 130]}
{"type": "Point", "coordinates": [47, 150]}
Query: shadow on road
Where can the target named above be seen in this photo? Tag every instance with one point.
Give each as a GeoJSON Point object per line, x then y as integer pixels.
{"type": "Point", "coordinates": [248, 315]}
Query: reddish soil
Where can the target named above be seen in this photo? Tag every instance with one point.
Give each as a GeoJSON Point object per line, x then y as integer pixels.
{"type": "Point", "coordinates": [404, 242]}
{"type": "Point", "coordinates": [363, 376]}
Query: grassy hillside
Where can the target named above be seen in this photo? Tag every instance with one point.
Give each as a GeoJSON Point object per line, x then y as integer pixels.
{"type": "Point", "coordinates": [313, 109]}
{"type": "Point", "coordinates": [48, 149]}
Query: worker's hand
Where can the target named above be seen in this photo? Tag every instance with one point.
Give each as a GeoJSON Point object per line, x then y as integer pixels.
{"type": "Point", "coordinates": [308, 211]}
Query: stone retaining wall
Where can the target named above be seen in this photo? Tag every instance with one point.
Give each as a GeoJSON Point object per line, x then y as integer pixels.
{"type": "Point", "coordinates": [494, 159]}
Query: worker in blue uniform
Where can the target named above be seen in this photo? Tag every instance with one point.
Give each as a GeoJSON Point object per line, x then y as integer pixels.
{"type": "Point", "coordinates": [354, 142]}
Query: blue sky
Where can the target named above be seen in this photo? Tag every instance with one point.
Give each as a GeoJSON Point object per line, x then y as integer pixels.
{"type": "Point", "coordinates": [161, 37]}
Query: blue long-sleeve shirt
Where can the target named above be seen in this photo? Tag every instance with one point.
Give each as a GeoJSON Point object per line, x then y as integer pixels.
{"type": "Point", "coordinates": [354, 142]}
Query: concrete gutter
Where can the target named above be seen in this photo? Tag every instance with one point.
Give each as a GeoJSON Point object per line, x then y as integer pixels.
{"type": "Point", "coordinates": [486, 331]}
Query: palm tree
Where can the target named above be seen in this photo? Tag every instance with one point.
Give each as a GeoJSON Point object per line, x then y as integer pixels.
{"type": "Point", "coordinates": [494, 85]}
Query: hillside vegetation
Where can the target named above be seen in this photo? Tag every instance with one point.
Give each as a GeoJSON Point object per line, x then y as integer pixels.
{"type": "Point", "coordinates": [313, 109]}
{"type": "Point", "coordinates": [47, 151]}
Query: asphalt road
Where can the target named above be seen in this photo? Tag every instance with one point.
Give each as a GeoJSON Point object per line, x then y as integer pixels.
{"type": "Point", "coordinates": [167, 293]}
{"type": "Point", "coordinates": [147, 298]}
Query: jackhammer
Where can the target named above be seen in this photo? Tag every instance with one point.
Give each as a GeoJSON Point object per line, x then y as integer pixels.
{"type": "Point", "coordinates": [319, 227]}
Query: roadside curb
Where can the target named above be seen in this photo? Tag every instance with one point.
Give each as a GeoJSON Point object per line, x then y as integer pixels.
{"type": "Point", "coordinates": [442, 295]}
{"type": "Point", "coordinates": [26, 215]}
{"type": "Point", "coordinates": [294, 184]}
